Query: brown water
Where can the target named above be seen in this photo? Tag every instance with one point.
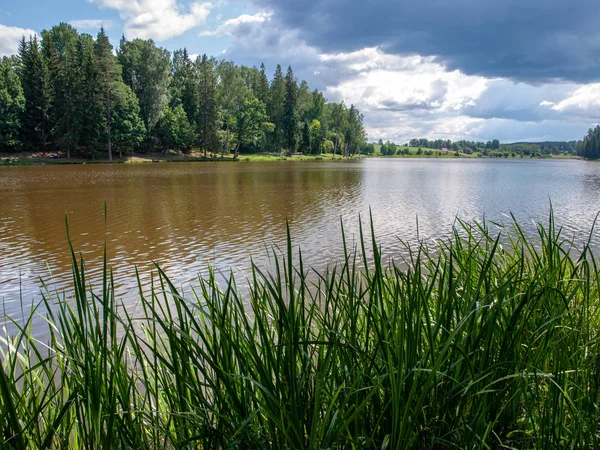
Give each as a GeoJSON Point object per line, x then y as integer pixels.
{"type": "Point", "coordinates": [188, 215]}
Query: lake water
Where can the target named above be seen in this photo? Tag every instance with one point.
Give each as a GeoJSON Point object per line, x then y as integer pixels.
{"type": "Point", "coordinates": [188, 215]}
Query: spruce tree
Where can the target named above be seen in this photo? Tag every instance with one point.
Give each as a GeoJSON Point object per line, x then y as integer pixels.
{"type": "Point", "coordinates": [35, 81]}
{"type": "Point", "coordinates": [305, 141]}
{"type": "Point", "coordinates": [90, 105]}
{"type": "Point", "coordinates": [290, 114]}
{"type": "Point", "coordinates": [275, 108]}
{"type": "Point", "coordinates": [109, 80]}
{"type": "Point", "coordinates": [262, 86]}
{"type": "Point", "coordinates": [59, 45]}
{"type": "Point", "coordinates": [208, 110]}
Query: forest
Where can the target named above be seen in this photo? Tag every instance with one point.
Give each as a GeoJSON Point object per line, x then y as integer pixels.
{"type": "Point", "coordinates": [73, 93]}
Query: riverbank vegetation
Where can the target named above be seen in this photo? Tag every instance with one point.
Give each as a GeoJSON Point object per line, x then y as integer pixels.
{"type": "Point", "coordinates": [72, 94]}
{"type": "Point", "coordinates": [486, 339]}
{"type": "Point", "coordinates": [492, 149]}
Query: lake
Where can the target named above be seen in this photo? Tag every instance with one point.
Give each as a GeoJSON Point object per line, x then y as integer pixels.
{"type": "Point", "coordinates": [186, 216]}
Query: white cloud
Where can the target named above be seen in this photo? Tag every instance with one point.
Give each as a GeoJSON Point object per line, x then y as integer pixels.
{"type": "Point", "coordinates": [583, 102]}
{"type": "Point", "coordinates": [10, 37]}
{"type": "Point", "coordinates": [393, 91]}
{"type": "Point", "coordinates": [91, 24]}
{"type": "Point", "coordinates": [409, 96]}
{"type": "Point", "coordinates": [233, 26]}
{"type": "Point", "coordinates": [157, 19]}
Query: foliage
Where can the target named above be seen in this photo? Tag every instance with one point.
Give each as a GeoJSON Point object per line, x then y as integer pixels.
{"type": "Point", "coordinates": [36, 127]}
{"type": "Point", "coordinates": [70, 93]}
{"type": "Point", "coordinates": [12, 104]}
{"type": "Point", "coordinates": [127, 126]}
{"type": "Point", "coordinates": [174, 129]}
{"type": "Point", "coordinates": [589, 147]}
{"type": "Point", "coordinates": [250, 122]}
{"type": "Point", "coordinates": [148, 70]}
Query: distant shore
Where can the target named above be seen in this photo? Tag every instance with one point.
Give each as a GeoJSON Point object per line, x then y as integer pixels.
{"type": "Point", "coordinates": [53, 158]}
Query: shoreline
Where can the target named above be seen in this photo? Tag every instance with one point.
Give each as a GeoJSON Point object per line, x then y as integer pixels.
{"type": "Point", "coordinates": [38, 159]}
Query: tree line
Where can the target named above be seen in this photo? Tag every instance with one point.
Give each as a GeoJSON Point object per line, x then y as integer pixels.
{"type": "Point", "coordinates": [589, 146]}
{"type": "Point", "coordinates": [492, 148]}
{"type": "Point", "coordinates": [74, 93]}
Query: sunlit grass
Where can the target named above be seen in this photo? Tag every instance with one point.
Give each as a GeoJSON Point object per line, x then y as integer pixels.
{"type": "Point", "coordinates": [470, 344]}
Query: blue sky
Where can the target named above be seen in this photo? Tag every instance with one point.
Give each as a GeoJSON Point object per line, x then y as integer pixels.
{"type": "Point", "coordinates": [516, 70]}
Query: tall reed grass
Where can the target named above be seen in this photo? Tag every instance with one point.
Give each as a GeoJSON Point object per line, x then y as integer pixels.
{"type": "Point", "coordinates": [487, 340]}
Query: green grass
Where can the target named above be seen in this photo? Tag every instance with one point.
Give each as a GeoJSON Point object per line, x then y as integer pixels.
{"type": "Point", "coordinates": [488, 340]}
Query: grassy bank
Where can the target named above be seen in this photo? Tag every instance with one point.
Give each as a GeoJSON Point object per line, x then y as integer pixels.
{"type": "Point", "coordinates": [468, 345]}
{"type": "Point", "coordinates": [23, 159]}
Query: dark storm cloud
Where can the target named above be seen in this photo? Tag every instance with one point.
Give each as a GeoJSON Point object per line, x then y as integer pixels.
{"type": "Point", "coordinates": [527, 40]}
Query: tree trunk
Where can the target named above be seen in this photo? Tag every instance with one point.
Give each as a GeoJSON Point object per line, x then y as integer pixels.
{"type": "Point", "coordinates": [110, 158]}
{"type": "Point", "coordinates": [120, 153]}
{"type": "Point", "coordinates": [226, 143]}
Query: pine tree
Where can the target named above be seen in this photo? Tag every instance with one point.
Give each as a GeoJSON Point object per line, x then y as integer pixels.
{"type": "Point", "coordinates": [109, 79]}
{"type": "Point", "coordinates": [208, 111]}
{"type": "Point", "coordinates": [305, 141]}
{"type": "Point", "coordinates": [275, 108]}
{"type": "Point", "coordinates": [59, 45]}
{"type": "Point", "coordinates": [67, 91]}
{"type": "Point", "coordinates": [90, 101]}
{"type": "Point", "coordinates": [262, 86]}
{"type": "Point", "coordinates": [290, 117]}
{"type": "Point", "coordinates": [36, 123]}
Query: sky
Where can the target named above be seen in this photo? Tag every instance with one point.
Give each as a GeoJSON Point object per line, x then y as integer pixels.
{"type": "Point", "coordinates": [513, 70]}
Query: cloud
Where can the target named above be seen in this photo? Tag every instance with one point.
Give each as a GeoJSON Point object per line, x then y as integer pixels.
{"type": "Point", "coordinates": [406, 96]}
{"type": "Point", "coordinates": [91, 24]}
{"type": "Point", "coordinates": [584, 102]}
{"type": "Point", "coordinates": [157, 19]}
{"type": "Point", "coordinates": [535, 41]}
{"type": "Point", "coordinates": [10, 37]}
{"type": "Point", "coordinates": [238, 26]}
{"type": "Point", "coordinates": [390, 82]}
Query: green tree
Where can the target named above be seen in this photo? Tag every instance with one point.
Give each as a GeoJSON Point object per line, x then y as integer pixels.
{"type": "Point", "coordinates": [174, 129]}
{"type": "Point", "coordinates": [305, 139]}
{"type": "Point", "coordinates": [250, 123]}
{"type": "Point", "coordinates": [290, 114]}
{"type": "Point", "coordinates": [110, 80]}
{"type": "Point", "coordinates": [261, 90]}
{"type": "Point", "coordinates": [36, 124]}
{"type": "Point", "coordinates": [208, 111]}
{"type": "Point", "coordinates": [127, 127]}
{"type": "Point", "coordinates": [316, 107]}
{"type": "Point", "coordinates": [147, 68]}
{"type": "Point", "coordinates": [12, 104]}
{"type": "Point", "coordinates": [90, 104]}
{"type": "Point", "coordinates": [589, 147]}
{"type": "Point", "coordinates": [231, 95]}
{"type": "Point", "coordinates": [276, 108]}
{"type": "Point", "coordinates": [59, 46]}
{"type": "Point", "coordinates": [184, 85]}
{"type": "Point", "coordinates": [354, 133]}
{"type": "Point", "coordinates": [316, 137]}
